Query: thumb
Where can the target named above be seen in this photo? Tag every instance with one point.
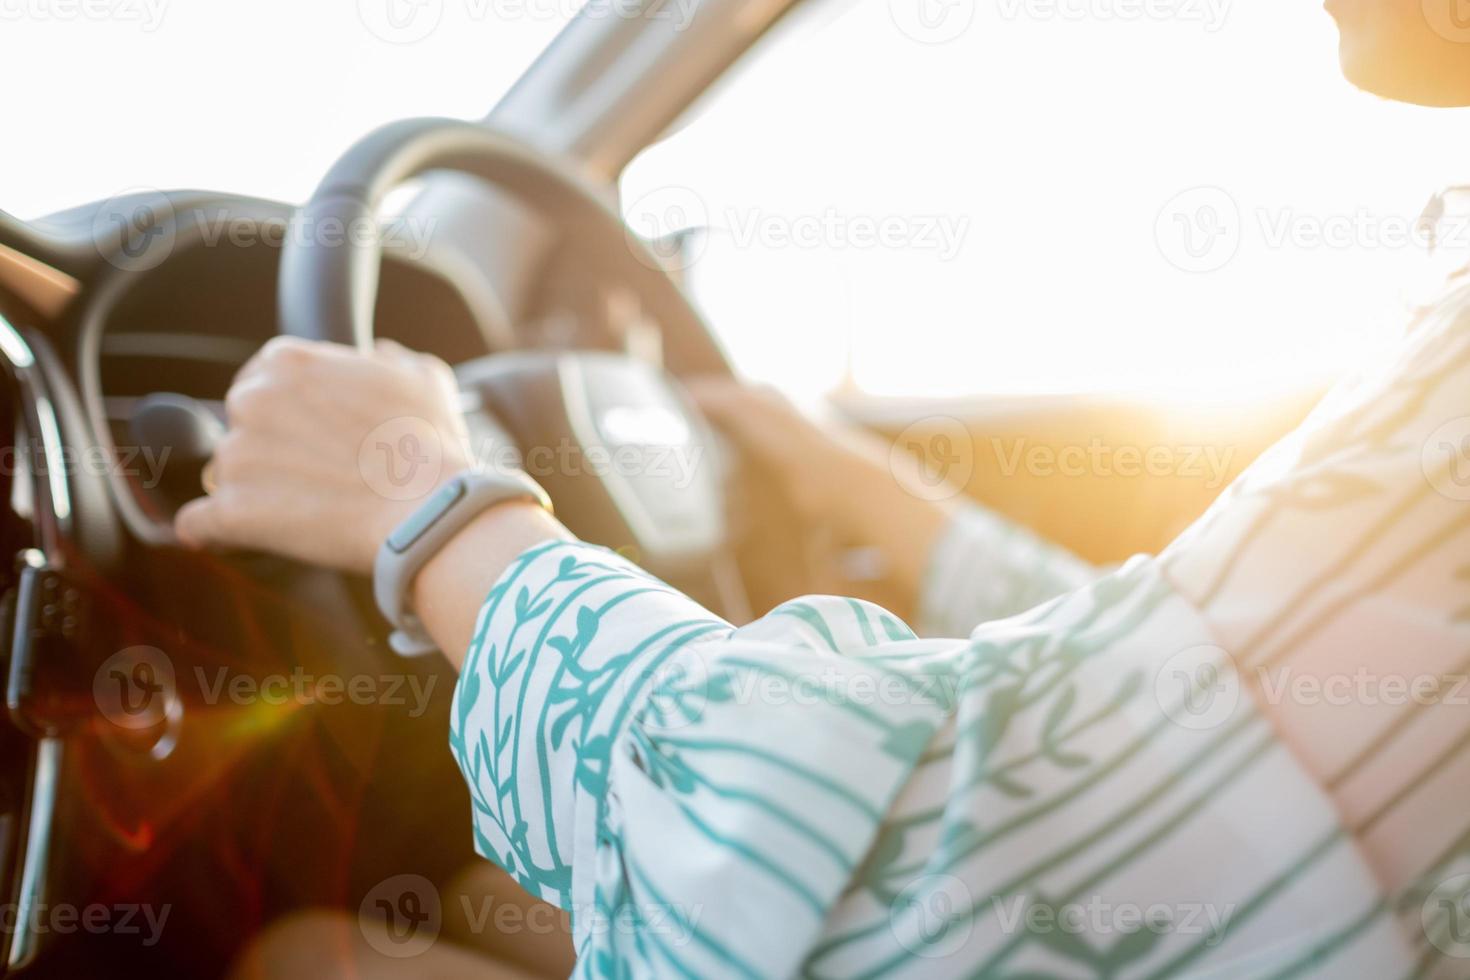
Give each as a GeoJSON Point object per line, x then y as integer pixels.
{"type": "Point", "coordinates": [198, 523]}
{"type": "Point", "coordinates": [714, 394]}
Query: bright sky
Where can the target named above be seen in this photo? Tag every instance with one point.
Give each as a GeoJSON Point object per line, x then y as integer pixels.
{"type": "Point", "coordinates": [924, 196]}
{"type": "Point", "coordinates": [257, 97]}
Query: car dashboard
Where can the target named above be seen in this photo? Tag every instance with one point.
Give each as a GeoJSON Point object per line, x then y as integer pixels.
{"type": "Point", "coordinates": [188, 323]}
{"type": "Point", "coordinates": [98, 592]}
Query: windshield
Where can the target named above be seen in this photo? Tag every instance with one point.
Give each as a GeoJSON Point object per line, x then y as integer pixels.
{"type": "Point", "coordinates": [939, 208]}
{"type": "Point", "coordinates": [254, 98]}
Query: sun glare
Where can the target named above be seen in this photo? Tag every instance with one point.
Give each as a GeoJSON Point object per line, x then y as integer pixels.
{"type": "Point", "coordinates": [1215, 214]}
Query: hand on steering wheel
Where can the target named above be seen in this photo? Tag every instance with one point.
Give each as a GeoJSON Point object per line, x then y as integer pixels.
{"type": "Point", "coordinates": [848, 482]}
{"type": "Point", "coordinates": [360, 438]}
{"type": "Point", "coordinates": [328, 449]}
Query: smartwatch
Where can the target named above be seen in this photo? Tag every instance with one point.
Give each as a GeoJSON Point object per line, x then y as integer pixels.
{"type": "Point", "coordinates": [424, 532]}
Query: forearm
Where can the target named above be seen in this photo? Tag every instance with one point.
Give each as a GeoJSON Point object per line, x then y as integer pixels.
{"type": "Point", "coordinates": [841, 478]}
{"type": "Point", "coordinates": [954, 563]}
{"type": "Point", "coordinates": [878, 505]}
{"type": "Point", "coordinates": [450, 588]}
{"type": "Point", "coordinates": [632, 757]}
{"type": "Point", "coordinates": [875, 501]}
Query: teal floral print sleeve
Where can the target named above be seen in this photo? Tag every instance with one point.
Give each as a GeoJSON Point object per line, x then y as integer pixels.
{"type": "Point", "coordinates": [632, 757]}
{"type": "Point", "coordinates": [1092, 783]}
{"type": "Point", "coordinates": [821, 793]}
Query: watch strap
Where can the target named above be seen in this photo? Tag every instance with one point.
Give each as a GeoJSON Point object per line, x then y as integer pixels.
{"type": "Point", "coordinates": [425, 532]}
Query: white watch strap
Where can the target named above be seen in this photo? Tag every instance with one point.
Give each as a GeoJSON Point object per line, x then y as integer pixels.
{"type": "Point", "coordinates": [420, 536]}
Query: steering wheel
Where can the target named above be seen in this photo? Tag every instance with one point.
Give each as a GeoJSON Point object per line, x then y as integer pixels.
{"type": "Point", "coordinates": [328, 289]}
{"type": "Point", "coordinates": [591, 408]}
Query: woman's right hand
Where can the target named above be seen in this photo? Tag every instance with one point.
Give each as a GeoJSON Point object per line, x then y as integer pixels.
{"type": "Point", "coordinates": [846, 482]}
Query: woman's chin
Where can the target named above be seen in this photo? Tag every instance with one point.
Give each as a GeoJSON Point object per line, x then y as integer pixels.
{"type": "Point", "coordinates": [1430, 71]}
{"type": "Point", "coordinates": [1415, 84]}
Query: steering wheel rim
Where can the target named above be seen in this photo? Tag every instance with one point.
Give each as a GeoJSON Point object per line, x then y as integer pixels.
{"type": "Point", "coordinates": [329, 276]}
{"type": "Point", "coordinates": [327, 289]}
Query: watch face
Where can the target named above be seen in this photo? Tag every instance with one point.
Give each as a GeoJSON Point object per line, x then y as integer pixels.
{"type": "Point", "coordinates": [404, 536]}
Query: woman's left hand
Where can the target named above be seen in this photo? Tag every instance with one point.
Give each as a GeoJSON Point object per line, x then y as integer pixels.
{"type": "Point", "coordinates": [328, 449]}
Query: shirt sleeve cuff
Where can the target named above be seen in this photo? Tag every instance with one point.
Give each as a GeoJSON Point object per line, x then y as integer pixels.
{"type": "Point", "coordinates": [567, 639]}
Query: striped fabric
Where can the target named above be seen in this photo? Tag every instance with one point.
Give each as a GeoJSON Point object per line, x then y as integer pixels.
{"type": "Point", "coordinates": [1128, 780]}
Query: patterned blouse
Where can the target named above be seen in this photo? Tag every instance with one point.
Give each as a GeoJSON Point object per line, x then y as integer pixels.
{"type": "Point", "coordinates": [1246, 757]}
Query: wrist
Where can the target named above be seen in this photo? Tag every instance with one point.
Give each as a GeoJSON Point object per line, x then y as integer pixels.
{"type": "Point", "coordinates": [429, 531]}
{"type": "Point", "coordinates": [449, 587]}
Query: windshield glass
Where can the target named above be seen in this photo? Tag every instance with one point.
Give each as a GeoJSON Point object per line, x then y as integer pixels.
{"type": "Point", "coordinates": [904, 206]}
{"type": "Point", "coordinates": [254, 98]}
